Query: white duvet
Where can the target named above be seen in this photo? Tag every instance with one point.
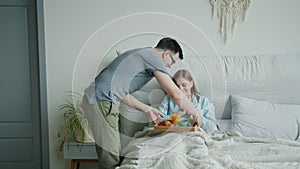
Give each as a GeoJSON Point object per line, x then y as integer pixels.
{"type": "Point", "coordinates": [222, 150]}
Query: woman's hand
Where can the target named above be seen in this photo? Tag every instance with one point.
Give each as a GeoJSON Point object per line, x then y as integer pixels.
{"type": "Point", "coordinates": [154, 114]}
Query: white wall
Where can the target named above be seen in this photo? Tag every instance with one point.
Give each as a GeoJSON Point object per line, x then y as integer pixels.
{"type": "Point", "coordinates": [271, 27]}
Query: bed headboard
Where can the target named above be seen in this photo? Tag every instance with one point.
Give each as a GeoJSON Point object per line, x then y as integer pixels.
{"type": "Point", "coordinates": [274, 78]}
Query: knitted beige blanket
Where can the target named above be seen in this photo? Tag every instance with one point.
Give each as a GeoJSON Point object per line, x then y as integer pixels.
{"type": "Point", "coordinates": [222, 150]}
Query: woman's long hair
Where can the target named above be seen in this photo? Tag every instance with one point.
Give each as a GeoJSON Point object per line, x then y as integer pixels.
{"type": "Point", "coordinates": [186, 75]}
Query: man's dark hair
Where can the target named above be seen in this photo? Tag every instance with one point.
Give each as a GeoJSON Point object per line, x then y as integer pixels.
{"type": "Point", "coordinates": [170, 44]}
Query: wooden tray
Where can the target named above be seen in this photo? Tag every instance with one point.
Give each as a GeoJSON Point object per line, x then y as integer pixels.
{"type": "Point", "coordinates": [176, 128]}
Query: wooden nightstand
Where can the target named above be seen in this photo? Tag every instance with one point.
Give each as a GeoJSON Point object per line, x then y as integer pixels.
{"type": "Point", "coordinates": [78, 152]}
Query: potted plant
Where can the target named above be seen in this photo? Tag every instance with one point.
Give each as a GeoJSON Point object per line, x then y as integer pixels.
{"type": "Point", "coordinates": [75, 125]}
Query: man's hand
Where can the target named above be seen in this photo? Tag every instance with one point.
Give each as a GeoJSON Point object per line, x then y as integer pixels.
{"type": "Point", "coordinates": [154, 114]}
{"type": "Point", "coordinates": [182, 112]}
{"type": "Point", "coordinates": [198, 120]}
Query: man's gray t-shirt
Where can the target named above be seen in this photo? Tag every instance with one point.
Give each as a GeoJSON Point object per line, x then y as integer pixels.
{"type": "Point", "coordinates": [128, 73]}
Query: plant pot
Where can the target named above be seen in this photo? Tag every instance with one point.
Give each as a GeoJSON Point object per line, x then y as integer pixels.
{"type": "Point", "coordinates": [88, 135]}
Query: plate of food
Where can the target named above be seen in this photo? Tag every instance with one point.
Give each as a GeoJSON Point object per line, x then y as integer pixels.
{"type": "Point", "coordinates": [176, 124]}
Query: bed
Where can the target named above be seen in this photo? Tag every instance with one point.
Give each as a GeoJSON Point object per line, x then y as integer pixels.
{"type": "Point", "coordinates": [256, 102]}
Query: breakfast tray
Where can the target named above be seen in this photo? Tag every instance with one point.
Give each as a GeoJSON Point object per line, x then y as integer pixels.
{"type": "Point", "coordinates": [176, 128]}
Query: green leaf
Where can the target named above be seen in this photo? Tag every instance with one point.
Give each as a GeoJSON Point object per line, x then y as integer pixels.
{"type": "Point", "coordinates": [73, 119]}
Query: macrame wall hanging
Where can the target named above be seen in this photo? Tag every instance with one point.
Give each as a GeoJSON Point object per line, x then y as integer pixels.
{"type": "Point", "coordinates": [229, 12]}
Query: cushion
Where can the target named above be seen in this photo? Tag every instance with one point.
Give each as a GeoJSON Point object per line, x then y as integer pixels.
{"type": "Point", "coordinates": [255, 118]}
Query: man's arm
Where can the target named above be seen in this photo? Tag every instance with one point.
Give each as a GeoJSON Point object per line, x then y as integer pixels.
{"type": "Point", "coordinates": [178, 97]}
{"type": "Point", "coordinates": [131, 101]}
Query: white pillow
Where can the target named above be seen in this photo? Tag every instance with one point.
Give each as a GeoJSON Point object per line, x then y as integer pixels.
{"type": "Point", "coordinates": [263, 119]}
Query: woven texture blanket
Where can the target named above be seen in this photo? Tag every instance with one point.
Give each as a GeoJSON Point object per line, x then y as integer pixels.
{"type": "Point", "coordinates": [221, 150]}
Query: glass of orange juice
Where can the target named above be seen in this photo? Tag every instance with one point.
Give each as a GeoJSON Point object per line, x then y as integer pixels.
{"type": "Point", "coordinates": [175, 117]}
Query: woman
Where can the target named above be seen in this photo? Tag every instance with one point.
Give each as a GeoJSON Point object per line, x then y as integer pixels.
{"type": "Point", "coordinates": [185, 83]}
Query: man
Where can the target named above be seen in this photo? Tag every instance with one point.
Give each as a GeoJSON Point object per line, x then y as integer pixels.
{"type": "Point", "coordinates": [128, 73]}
